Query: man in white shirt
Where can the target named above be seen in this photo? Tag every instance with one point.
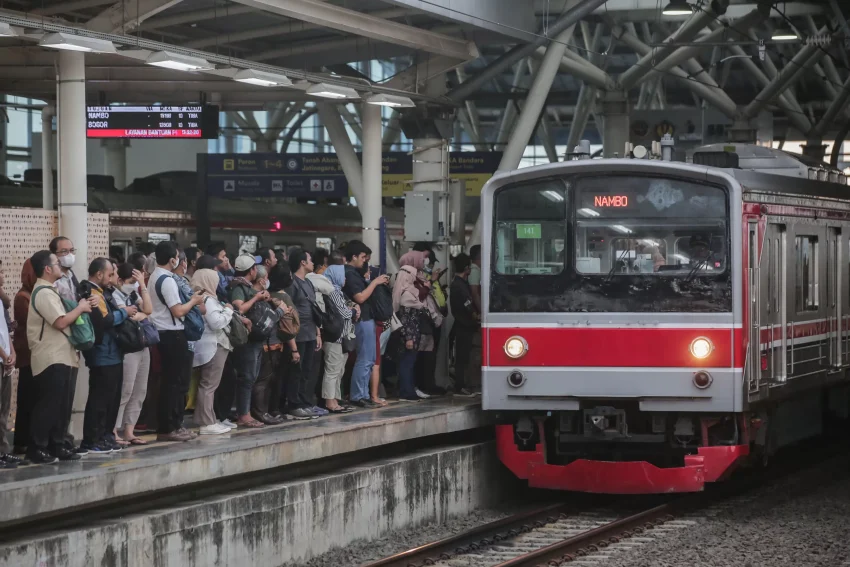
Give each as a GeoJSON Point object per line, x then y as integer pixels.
{"type": "Point", "coordinates": [175, 356]}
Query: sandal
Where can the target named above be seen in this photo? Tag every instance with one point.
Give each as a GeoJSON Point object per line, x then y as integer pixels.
{"type": "Point", "coordinates": [137, 441]}
{"type": "Point", "coordinates": [380, 401]}
{"type": "Point", "coordinates": [341, 410]}
{"type": "Point", "coordinates": [252, 424]}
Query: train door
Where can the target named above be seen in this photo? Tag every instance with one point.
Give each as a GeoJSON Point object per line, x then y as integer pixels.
{"type": "Point", "coordinates": [834, 269]}
{"type": "Point", "coordinates": [773, 338]}
{"type": "Point", "coordinates": [753, 274]}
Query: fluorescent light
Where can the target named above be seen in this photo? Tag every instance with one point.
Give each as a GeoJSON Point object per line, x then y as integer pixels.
{"type": "Point", "coordinates": [332, 91]}
{"type": "Point", "coordinates": [71, 42]}
{"type": "Point", "coordinates": [621, 228]}
{"type": "Point", "coordinates": [784, 34]}
{"type": "Point", "coordinates": [678, 8]}
{"type": "Point", "coordinates": [588, 212]}
{"type": "Point", "coordinates": [553, 196]}
{"type": "Point", "coordinates": [390, 100]}
{"type": "Point", "coordinates": [6, 30]}
{"type": "Point", "coordinates": [261, 78]}
{"type": "Point", "coordinates": [177, 61]}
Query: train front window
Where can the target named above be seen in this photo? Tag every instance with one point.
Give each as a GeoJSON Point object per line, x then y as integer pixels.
{"type": "Point", "coordinates": [531, 223]}
{"type": "Point", "coordinates": [649, 226]}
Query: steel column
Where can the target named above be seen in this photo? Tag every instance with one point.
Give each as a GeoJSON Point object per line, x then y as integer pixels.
{"type": "Point", "coordinates": [370, 208]}
{"type": "Point", "coordinates": [586, 100]}
{"type": "Point", "coordinates": [615, 109]}
{"type": "Point", "coordinates": [47, 150]}
{"type": "Point", "coordinates": [837, 106]}
{"type": "Point", "coordinates": [510, 113]}
{"type": "Point", "coordinates": [73, 187]}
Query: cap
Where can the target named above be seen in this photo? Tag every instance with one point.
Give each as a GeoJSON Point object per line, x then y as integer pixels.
{"type": "Point", "coordinates": [207, 262]}
{"type": "Point", "coordinates": [245, 262]}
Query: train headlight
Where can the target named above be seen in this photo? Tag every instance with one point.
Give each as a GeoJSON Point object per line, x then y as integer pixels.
{"type": "Point", "coordinates": [701, 347]}
{"type": "Point", "coordinates": [516, 347]}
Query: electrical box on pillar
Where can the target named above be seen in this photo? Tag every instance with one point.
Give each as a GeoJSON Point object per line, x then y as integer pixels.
{"type": "Point", "coordinates": [425, 214]}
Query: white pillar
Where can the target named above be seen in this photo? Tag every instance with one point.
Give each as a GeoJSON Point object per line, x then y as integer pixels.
{"type": "Point", "coordinates": [370, 208]}
{"type": "Point", "coordinates": [47, 149]}
{"type": "Point", "coordinates": [615, 134]}
{"type": "Point", "coordinates": [73, 187]}
{"type": "Point", "coordinates": [115, 163]}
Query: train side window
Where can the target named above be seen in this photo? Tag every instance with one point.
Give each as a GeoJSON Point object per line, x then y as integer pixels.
{"type": "Point", "coordinates": [806, 287]}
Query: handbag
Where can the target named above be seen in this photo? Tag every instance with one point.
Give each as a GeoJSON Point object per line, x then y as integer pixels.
{"type": "Point", "coordinates": [150, 332]}
{"type": "Point", "coordinates": [129, 336]}
{"type": "Point", "coordinates": [348, 344]}
{"type": "Point", "coordinates": [395, 323]}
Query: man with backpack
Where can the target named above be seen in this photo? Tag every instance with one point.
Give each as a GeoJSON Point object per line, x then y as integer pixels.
{"type": "Point", "coordinates": [105, 361]}
{"type": "Point", "coordinates": [302, 385]}
{"type": "Point", "coordinates": [53, 356]}
{"type": "Point", "coordinates": [248, 357]}
{"type": "Point", "coordinates": [169, 309]}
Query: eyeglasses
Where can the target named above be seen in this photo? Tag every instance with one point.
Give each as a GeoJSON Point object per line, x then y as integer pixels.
{"type": "Point", "coordinates": [66, 252]}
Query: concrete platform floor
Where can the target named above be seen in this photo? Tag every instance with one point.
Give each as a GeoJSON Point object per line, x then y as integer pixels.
{"type": "Point", "coordinates": [29, 492]}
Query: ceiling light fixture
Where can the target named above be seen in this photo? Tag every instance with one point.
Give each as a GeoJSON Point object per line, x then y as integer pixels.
{"type": "Point", "coordinates": [261, 78]}
{"type": "Point", "coordinates": [71, 42]}
{"type": "Point", "coordinates": [391, 101]}
{"type": "Point", "coordinates": [678, 8]}
{"type": "Point", "coordinates": [332, 91]}
{"type": "Point", "coordinates": [784, 34]}
{"type": "Point", "coordinates": [177, 61]}
{"type": "Point", "coordinates": [6, 30]}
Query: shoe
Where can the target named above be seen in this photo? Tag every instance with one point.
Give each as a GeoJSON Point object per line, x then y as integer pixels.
{"type": "Point", "coordinates": [108, 443]}
{"type": "Point", "coordinates": [269, 419]}
{"type": "Point", "coordinates": [321, 412]}
{"type": "Point", "coordinates": [422, 395]}
{"type": "Point", "coordinates": [12, 459]}
{"type": "Point", "coordinates": [365, 403]}
{"type": "Point", "coordinates": [64, 454]}
{"type": "Point", "coordinates": [189, 432]}
{"type": "Point", "coordinates": [301, 414]}
{"type": "Point", "coordinates": [411, 399]}
{"type": "Point", "coordinates": [214, 429]}
{"type": "Point", "coordinates": [97, 449]}
{"type": "Point", "coordinates": [81, 451]}
{"type": "Point", "coordinates": [173, 436]}
{"type": "Point", "coordinates": [276, 414]}
{"type": "Point", "coordinates": [228, 423]}
{"type": "Point", "coordinates": [40, 457]}
{"type": "Point", "coordinates": [464, 393]}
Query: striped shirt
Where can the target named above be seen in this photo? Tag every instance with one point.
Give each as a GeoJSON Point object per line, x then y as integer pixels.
{"type": "Point", "coordinates": [338, 299]}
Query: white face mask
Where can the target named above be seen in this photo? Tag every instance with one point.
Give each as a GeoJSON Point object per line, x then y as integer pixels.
{"type": "Point", "coordinates": [427, 261]}
{"type": "Point", "coordinates": [174, 264]}
{"type": "Point", "coordinates": [266, 285]}
{"type": "Point", "coordinates": [67, 261]}
{"type": "Point", "coordinates": [129, 288]}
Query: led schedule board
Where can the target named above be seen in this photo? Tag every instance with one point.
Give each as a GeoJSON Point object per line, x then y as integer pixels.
{"type": "Point", "coordinates": [152, 121]}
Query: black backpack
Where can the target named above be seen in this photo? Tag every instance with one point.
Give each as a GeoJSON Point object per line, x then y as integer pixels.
{"type": "Point", "coordinates": [333, 322]}
{"type": "Point", "coordinates": [130, 336]}
{"type": "Point", "coordinates": [381, 302]}
{"type": "Point", "coordinates": [263, 319]}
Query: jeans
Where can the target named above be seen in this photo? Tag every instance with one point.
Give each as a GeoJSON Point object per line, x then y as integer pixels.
{"type": "Point", "coordinates": [406, 377]}
{"type": "Point", "coordinates": [176, 363]}
{"type": "Point", "coordinates": [248, 359]}
{"type": "Point", "coordinates": [47, 421]}
{"type": "Point", "coordinates": [103, 402]}
{"type": "Point", "coordinates": [463, 350]}
{"type": "Point", "coordinates": [365, 360]}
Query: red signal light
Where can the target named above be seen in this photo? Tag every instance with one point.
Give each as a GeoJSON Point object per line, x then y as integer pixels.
{"type": "Point", "coordinates": [276, 225]}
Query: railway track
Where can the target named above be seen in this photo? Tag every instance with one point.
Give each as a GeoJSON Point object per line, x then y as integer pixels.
{"type": "Point", "coordinates": [552, 535]}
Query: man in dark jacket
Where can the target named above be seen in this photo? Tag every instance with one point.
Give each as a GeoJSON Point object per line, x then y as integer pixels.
{"type": "Point", "coordinates": [466, 319]}
{"type": "Point", "coordinates": [105, 361]}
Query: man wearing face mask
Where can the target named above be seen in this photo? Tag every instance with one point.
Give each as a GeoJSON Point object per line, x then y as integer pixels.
{"type": "Point", "coordinates": [67, 284]}
{"type": "Point", "coordinates": [105, 361]}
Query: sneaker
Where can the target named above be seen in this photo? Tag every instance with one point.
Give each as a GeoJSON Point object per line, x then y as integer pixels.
{"type": "Point", "coordinates": [412, 399]}
{"type": "Point", "coordinates": [267, 418]}
{"type": "Point", "coordinates": [81, 451]}
{"type": "Point", "coordinates": [365, 403]}
{"type": "Point", "coordinates": [98, 449]}
{"type": "Point", "coordinates": [64, 454]}
{"type": "Point", "coordinates": [422, 395]}
{"type": "Point", "coordinates": [13, 460]}
{"type": "Point", "coordinates": [189, 432]}
{"type": "Point", "coordinates": [301, 414]}
{"type": "Point", "coordinates": [465, 393]}
{"type": "Point", "coordinates": [321, 412]}
{"type": "Point", "coordinates": [39, 457]}
{"type": "Point", "coordinates": [173, 436]}
{"type": "Point", "coordinates": [214, 429]}
{"type": "Point", "coordinates": [116, 448]}
{"type": "Point", "coordinates": [229, 424]}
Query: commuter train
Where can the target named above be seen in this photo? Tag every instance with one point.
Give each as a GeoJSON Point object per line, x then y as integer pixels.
{"type": "Point", "coordinates": [649, 326]}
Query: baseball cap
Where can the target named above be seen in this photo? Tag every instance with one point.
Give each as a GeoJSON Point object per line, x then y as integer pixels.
{"type": "Point", "coordinates": [207, 262]}
{"type": "Point", "coordinates": [245, 262]}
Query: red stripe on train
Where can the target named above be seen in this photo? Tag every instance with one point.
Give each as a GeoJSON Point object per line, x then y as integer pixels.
{"type": "Point", "coordinates": [616, 347]}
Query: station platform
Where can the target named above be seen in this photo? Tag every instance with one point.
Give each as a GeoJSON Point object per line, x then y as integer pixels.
{"type": "Point", "coordinates": [27, 493]}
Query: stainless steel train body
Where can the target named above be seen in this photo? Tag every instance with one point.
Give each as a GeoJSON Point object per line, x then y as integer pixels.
{"type": "Point", "coordinates": [648, 325]}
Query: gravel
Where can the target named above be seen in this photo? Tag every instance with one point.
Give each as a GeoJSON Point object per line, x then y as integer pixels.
{"type": "Point", "coordinates": [799, 521]}
{"type": "Point", "coordinates": [361, 552]}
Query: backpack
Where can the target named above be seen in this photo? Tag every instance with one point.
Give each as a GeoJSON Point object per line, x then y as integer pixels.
{"type": "Point", "coordinates": [81, 331]}
{"type": "Point", "coordinates": [332, 321]}
{"type": "Point", "coordinates": [381, 302]}
{"type": "Point", "coordinates": [193, 321]}
{"type": "Point", "coordinates": [130, 336]}
{"type": "Point", "coordinates": [263, 319]}
{"type": "Point", "coordinates": [237, 332]}
{"type": "Point", "coordinates": [289, 324]}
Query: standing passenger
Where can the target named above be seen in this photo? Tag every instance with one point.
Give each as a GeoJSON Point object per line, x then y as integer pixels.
{"type": "Point", "coordinates": [26, 386]}
{"type": "Point", "coordinates": [465, 326]}
{"type": "Point", "coordinates": [335, 355]}
{"type": "Point", "coordinates": [8, 359]}
{"type": "Point", "coordinates": [309, 338]}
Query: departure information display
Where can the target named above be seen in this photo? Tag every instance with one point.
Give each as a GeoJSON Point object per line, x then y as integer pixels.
{"type": "Point", "coordinates": [152, 121]}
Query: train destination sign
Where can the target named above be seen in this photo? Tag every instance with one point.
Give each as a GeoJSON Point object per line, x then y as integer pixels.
{"type": "Point", "coordinates": [170, 122]}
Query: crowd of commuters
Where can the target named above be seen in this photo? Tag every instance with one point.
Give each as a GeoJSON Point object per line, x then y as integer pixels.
{"type": "Point", "coordinates": [264, 339]}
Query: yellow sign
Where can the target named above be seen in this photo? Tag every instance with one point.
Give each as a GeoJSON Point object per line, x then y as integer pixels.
{"type": "Point", "coordinates": [395, 184]}
{"type": "Point", "coordinates": [229, 165]}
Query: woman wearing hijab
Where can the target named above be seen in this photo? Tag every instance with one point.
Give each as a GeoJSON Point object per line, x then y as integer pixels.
{"type": "Point", "coordinates": [335, 356]}
{"type": "Point", "coordinates": [26, 388]}
{"type": "Point", "coordinates": [211, 351]}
